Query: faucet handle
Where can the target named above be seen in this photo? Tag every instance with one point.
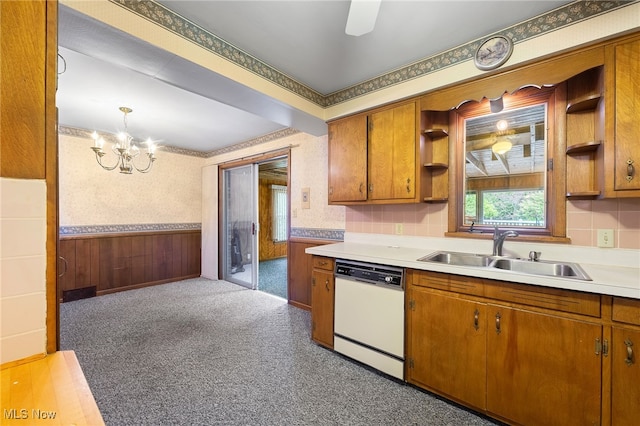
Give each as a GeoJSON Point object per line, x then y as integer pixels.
{"type": "Point", "coordinates": [534, 256]}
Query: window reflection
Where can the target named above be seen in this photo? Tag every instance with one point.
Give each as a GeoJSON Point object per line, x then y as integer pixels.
{"type": "Point", "coordinates": [505, 173]}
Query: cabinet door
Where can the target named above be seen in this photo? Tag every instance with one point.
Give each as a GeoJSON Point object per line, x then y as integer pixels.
{"type": "Point", "coordinates": [627, 125]}
{"type": "Point", "coordinates": [322, 293]}
{"type": "Point", "coordinates": [348, 159]}
{"type": "Point", "coordinates": [542, 369]}
{"type": "Point", "coordinates": [446, 346]}
{"type": "Point", "coordinates": [392, 153]}
{"type": "Point", "coordinates": [625, 371]}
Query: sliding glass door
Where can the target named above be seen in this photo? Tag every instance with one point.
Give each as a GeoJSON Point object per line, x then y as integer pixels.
{"type": "Point", "coordinates": [240, 200]}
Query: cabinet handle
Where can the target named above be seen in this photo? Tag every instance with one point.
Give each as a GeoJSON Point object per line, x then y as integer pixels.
{"type": "Point", "coordinates": [66, 266]}
{"type": "Point", "coordinates": [498, 316]}
{"type": "Point", "coordinates": [630, 170]}
{"type": "Point", "coordinates": [370, 187]}
{"type": "Point", "coordinates": [326, 284]}
{"type": "Point", "coordinates": [476, 318]}
{"type": "Point", "coordinates": [629, 360]}
{"type": "Point", "coordinates": [408, 185]}
{"type": "Point", "coordinates": [322, 263]}
{"type": "Point", "coordinates": [361, 187]}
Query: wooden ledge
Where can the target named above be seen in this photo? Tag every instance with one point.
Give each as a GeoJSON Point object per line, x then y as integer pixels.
{"type": "Point", "coordinates": [51, 391]}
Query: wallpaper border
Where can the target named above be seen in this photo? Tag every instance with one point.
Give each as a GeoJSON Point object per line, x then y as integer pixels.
{"type": "Point", "coordinates": [279, 134]}
{"type": "Point", "coordinates": [140, 227]}
{"type": "Point", "coordinates": [317, 233]}
{"type": "Point", "coordinates": [553, 20]}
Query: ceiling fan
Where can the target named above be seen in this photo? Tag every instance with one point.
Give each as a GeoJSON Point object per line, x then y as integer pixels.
{"type": "Point", "coordinates": [362, 17]}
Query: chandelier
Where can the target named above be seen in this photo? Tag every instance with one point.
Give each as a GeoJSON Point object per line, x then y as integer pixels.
{"type": "Point", "coordinates": [126, 150]}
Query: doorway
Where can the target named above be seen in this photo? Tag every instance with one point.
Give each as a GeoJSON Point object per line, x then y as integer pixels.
{"type": "Point", "coordinates": [255, 223]}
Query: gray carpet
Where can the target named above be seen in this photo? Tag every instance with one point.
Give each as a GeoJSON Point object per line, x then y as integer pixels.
{"type": "Point", "coordinates": [201, 352]}
{"type": "Point", "coordinates": [272, 277]}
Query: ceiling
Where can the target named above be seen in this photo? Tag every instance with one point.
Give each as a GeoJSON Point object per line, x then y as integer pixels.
{"type": "Point", "coordinates": [184, 105]}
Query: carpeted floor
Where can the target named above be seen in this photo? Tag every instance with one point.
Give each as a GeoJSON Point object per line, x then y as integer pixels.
{"type": "Point", "coordinates": [272, 277]}
{"type": "Point", "coordinates": [201, 352]}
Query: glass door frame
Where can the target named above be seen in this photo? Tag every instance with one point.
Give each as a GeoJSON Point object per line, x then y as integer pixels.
{"type": "Point", "coordinates": [253, 160]}
{"type": "Point", "coordinates": [235, 239]}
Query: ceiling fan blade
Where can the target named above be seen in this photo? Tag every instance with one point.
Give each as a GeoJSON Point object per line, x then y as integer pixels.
{"type": "Point", "coordinates": [362, 16]}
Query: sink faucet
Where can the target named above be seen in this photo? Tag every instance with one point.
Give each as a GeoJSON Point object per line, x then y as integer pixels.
{"type": "Point", "coordinates": [498, 239]}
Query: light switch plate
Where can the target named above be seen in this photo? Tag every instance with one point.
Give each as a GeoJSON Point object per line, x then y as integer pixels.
{"type": "Point", "coordinates": [399, 229]}
{"type": "Point", "coordinates": [605, 237]}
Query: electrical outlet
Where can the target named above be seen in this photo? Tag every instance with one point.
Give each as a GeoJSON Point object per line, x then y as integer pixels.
{"type": "Point", "coordinates": [399, 229]}
{"type": "Point", "coordinates": [605, 237]}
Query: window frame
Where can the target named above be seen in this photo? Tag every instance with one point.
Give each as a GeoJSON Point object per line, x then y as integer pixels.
{"type": "Point", "coordinates": [555, 229]}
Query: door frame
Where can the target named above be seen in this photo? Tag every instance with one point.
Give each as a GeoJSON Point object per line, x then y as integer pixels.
{"type": "Point", "coordinates": [253, 159]}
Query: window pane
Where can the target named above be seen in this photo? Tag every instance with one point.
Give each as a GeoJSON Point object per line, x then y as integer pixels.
{"type": "Point", "coordinates": [279, 200]}
{"type": "Point", "coordinates": [514, 208]}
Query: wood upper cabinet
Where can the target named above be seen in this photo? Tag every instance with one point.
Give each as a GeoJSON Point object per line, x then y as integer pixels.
{"type": "Point", "coordinates": [322, 301]}
{"type": "Point", "coordinates": [348, 159]}
{"type": "Point", "coordinates": [373, 157]}
{"type": "Point", "coordinates": [622, 148]}
{"type": "Point", "coordinates": [392, 153]}
{"type": "Point", "coordinates": [543, 369]}
{"type": "Point", "coordinates": [446, 348]}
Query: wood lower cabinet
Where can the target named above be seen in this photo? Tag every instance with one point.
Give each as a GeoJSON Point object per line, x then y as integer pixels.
{"type": "Point", "coordinates": [300, 266]}
{"type": "Point", "coordinates": [447, 347]}
{"type": "Point", "coordinates": [522, 354]}
{"type": "Point", "coordinates": [543, 369]}
{"type": "Point", "coordinates": [625, 362]}
{"type": "Point", "coordinates": [112, 263]}
{"type": "Point", "coordinates": [322, 301]}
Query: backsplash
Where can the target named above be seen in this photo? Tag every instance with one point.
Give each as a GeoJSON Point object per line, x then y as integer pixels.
{"type": "Point", "coordinates": [584, 218]}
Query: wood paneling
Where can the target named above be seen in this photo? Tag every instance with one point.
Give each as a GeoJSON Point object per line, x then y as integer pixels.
{"type": "Point", "coordinates": [126, 261]}
{"type": "Point", "coordinates": [268, 248]}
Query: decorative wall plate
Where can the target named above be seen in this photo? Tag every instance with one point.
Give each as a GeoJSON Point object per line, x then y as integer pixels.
{"type": "Point", "coordinates": [493, 52]}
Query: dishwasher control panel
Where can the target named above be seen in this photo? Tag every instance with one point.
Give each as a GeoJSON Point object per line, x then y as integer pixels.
{"type": "Point", "coordinates": [370, 273]}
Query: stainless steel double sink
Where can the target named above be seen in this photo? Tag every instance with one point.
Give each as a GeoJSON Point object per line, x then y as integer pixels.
{"type": "Point", "coordinates": [524, 266]}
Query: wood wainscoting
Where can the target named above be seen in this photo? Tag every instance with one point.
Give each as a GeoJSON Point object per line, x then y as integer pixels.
{"type": "Point", "coordinates": [99, 264]}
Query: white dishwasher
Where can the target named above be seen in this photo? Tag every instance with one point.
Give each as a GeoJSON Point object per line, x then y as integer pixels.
{"type": "Point", "coordinates": [369, 315]}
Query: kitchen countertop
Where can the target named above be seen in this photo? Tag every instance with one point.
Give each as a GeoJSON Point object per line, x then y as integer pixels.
{"type": "Point", "coordinates": [614, 272]}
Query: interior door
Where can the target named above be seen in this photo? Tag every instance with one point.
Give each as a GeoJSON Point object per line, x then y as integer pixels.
{"type": "Point", "coordinates": [240, 206]}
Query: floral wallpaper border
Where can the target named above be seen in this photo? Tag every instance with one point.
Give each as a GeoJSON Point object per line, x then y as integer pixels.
{"type": "Point", "coordinates": [317, 233]}
{"type": "Point", "coordinates": [569, 14]}
{"type": "Point", "coordinates": [143, 227]}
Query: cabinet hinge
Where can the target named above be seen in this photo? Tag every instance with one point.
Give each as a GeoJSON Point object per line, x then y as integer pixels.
{"type": "Point", "coordinates": [370, 125]}
{"type": "Point", "coordinates": [598, 346]}
{"type": "Point", "coordinates": [410, 362]}
{"type": "Point", "coordinates": [605, 347]}
{"type": "Point", "coordinates": [412, 304]}
{"type": "Point", "coordinates": [313, 281]}
{"type": "Point", "coordinates": [550, 164]}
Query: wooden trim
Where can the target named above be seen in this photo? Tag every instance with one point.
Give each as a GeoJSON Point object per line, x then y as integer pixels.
{"type": "Point", "coordinates": [51, 173]}
{"type": "Point", "coordinates": [18, 362]}
{"type": "Point", "coordinates": [147, 284]}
